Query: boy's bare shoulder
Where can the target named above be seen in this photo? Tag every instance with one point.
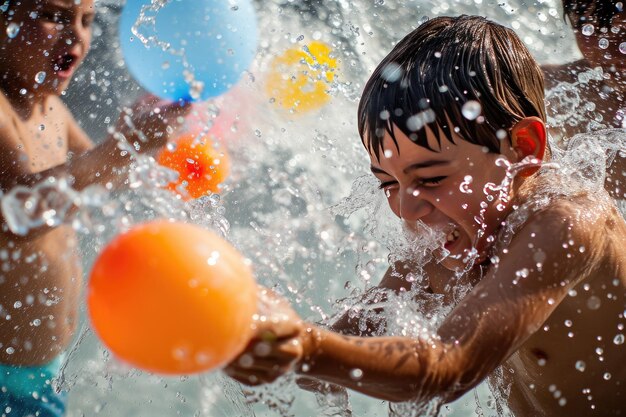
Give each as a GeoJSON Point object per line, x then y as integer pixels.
{"type": "Point", "coordinates": [9, 126]}
{"type": "Point", "coordinates": [568, 72]}
{"type": "Point", "coordinates": [587, 222]}
{"type": "Point", "coordinates": [6, 110]}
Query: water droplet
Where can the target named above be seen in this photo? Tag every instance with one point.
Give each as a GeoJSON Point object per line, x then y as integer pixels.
{"type": "Point", "coordinates": [13, 29]}
{"type": "Point", "coordinates": [593, 303]}
{"type": "Point", "coordinates": [622, 47]}
{"type": "Point", "coordinates": [17, 304]}
{"type": "Point", "coordinates": [588, 29]}
{"type": "Point", "coordinates": [580, 366]}
{"type": "Point", "coordinates": [471, 110]}
{"type": "Point", "coordinates": [10, 350]}
{"type": "Point", "coordinates": [388, 153]}
{"type": "Point", "coordinates": [40, 77]}
{"type": "Point", "coordinates": [356, 374]}
{"type": "Point", "coordinates": [568, 323]}
{"type": "Point", "coordinates": [464, 186]}
{"type": "Point", "coordinates": [246, 360]}
{"type": "Point", "coordinates": [603, 43]}
{"type": "Point", "coordinates": [619, 339]}
{"type": "Point", "coordinates": [42, 127]}
{"type": "Point", "coordinates": [23, 91]}
{"type": "Point", "coordinates": [392, 72]}
{"type": "Point", "coordinates": [606, 376]}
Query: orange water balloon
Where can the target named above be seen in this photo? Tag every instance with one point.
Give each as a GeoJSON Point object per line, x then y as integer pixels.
{"type": "Point", "coordinates": [300, 78]}
{"type": "Point", "coordinates": [172, 298]}
{"type": "Point", "coordinates": [202, 167]}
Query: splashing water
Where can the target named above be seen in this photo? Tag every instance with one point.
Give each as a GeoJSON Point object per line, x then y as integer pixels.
{"type": "Point", "coordinates": [13, 29]}
{"type": "Point", "coordinates": [147, 20]}
{"type": "Point", "coordinates": [286, 206]}
{"type": "Point", "coordinates": [565, 102]}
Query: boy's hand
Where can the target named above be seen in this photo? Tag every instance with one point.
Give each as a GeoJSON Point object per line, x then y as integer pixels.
{"type": "Point", "coordinates": [276, 346]}
{"type": "Point", "coordinates": [151, 122]}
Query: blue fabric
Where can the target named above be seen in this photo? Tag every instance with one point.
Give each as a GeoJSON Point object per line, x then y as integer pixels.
{"type": "Point", "coordinates": [26, 391]}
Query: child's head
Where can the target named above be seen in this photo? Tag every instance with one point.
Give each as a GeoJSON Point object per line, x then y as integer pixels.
{"type": "Point", "coordinates": [43, 42]}
{"type": "Point", "coordinates": [451, 100]}
{"type": "Point", "coordinates": [600, 27]}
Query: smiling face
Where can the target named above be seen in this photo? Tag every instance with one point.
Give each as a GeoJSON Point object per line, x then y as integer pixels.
{"type": "Point", "coordinates": [448, 189]}
{"type": "Point", "coordinates": [44, 41]}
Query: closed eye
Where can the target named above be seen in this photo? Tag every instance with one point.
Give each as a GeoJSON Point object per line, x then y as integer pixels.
{"type": "Point", "coordinates": [385, 184]}
{"type": "Point", "coordinates": [430, 182]}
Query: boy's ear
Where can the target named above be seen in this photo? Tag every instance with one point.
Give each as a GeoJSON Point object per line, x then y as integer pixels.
{"type": "Point", "coordinates": [529, 138]}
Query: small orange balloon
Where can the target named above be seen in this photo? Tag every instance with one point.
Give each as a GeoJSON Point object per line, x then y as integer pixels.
{"type": "Point", "coordinates": [200, 165]}
{"type": "Point", "coordinates": [172, 298]}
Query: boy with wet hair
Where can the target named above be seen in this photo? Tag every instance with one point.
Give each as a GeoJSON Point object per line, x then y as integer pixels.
{"type": "Point", "coordinates": [598, 79]}
{"type": "Point", "coordinates": [42, 43]}
{"type": "Point", "coordinates": [455, 104]}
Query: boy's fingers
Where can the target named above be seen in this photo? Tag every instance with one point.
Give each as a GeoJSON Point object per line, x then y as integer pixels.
{"type": "Point", "coordinates": [252, 379]}
{"type": "Point", "coordinates": [271, 331]}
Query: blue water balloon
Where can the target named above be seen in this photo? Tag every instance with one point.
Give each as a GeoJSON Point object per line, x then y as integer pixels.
{"type": "Point", "coordinates": [188, 49]}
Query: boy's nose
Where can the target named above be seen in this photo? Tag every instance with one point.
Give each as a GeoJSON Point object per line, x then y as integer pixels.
{"type": "Point", "coordinates": [76, 33]}
{"type": "Point", "coordinates": [412, 206]}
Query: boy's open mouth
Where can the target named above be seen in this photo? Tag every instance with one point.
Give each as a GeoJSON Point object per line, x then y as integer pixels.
{"type": "Point", "coordinates": [451, 238]}
{"type": "Point", "coordinates": [64, 65]}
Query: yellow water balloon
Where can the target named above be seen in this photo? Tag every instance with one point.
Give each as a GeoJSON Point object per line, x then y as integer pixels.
{"type": "Point", "coordinates": [299, 79]}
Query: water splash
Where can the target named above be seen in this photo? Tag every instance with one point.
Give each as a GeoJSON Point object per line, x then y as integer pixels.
{"type": "Point", "coordinates": [147, 21]}
{"type": "Point", "coordinates": [565, 103]}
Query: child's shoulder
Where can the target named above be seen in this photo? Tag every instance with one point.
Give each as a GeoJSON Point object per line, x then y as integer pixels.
{"type": "Point", "coordinates": [567, 72]}
{"type": "Point", "coordinates": [579, 225]}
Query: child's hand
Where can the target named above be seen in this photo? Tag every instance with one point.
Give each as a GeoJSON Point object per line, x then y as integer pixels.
{"type": "Point", "coordinates": [152, 122]}
{"type": "Point", "coordinates": [276, 346]}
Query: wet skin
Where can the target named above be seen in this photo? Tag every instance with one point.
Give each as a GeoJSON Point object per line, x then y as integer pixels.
{"type": "Point", "coordinates": [41, 270]}
{"type": "Point", "coordinates": [608, 96]}
{"type": "Point", "coordinates": [503, 320]}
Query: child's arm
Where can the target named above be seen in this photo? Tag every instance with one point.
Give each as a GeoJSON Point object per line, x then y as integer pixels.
{"type": "Point", "coordinates": [488, 325]}
{"type": "Point", "coordinates": [94, 164]}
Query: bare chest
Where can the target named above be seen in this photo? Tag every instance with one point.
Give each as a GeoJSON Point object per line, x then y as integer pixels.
{"type": "Point", "coordinates": [45, 140]}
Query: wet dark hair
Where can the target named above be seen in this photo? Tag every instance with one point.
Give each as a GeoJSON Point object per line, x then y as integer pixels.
{"type": "Point", "coordinates": [443, 64]}
{"type": "Point", "coordinates": [581, 12]}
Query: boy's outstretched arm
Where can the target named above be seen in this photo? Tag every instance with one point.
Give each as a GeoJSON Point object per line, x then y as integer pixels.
{"type": "Point", "coordinates": [487, 326]}
{"type": "Point", "coordinates": [89, 164]}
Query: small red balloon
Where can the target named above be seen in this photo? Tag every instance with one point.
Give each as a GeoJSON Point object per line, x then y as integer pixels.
{"type": "Point", "coordinates": [198, 163]}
